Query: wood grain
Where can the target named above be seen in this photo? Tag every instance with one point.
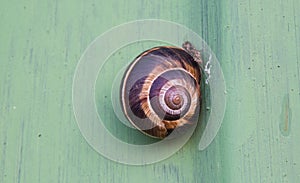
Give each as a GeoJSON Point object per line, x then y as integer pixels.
{"type": "Point", "coordinates": [257, 43]}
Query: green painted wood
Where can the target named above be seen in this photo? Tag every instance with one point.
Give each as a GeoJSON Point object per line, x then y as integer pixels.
{"type": "Point", "coordinates": [257, 43]}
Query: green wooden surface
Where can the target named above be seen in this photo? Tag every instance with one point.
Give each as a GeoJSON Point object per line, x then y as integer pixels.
{"type": "Point", "coordinates": [257, 43]}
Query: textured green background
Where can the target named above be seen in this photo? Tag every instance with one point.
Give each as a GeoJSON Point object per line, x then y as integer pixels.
{"type": "Point", "coordinates": [256, 41]}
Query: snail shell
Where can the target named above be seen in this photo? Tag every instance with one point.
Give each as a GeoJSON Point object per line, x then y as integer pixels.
{"type": "Point", "coordinates": [161, 91]}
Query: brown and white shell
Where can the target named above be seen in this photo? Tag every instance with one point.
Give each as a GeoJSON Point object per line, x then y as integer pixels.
{"type": "Point", "coordinates": [160, 91]}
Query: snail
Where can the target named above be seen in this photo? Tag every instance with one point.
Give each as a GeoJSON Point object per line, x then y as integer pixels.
{"type": "Point", "coordinates": [160, 90]}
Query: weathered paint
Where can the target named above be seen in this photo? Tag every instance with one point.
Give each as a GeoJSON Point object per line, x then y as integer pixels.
{"type": "Point", "coordinates": [257, 43]}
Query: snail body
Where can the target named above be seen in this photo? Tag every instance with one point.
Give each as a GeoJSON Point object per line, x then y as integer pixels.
{"type": "Point", "coordinates": [160, 91]}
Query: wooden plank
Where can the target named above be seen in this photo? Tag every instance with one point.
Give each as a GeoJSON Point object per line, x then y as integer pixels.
{"type": "Point", "coordinates": [258, 46]}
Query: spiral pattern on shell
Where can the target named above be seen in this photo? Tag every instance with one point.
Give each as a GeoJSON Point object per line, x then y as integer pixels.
{"type": "Point", "coordinates": [161, 91]}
